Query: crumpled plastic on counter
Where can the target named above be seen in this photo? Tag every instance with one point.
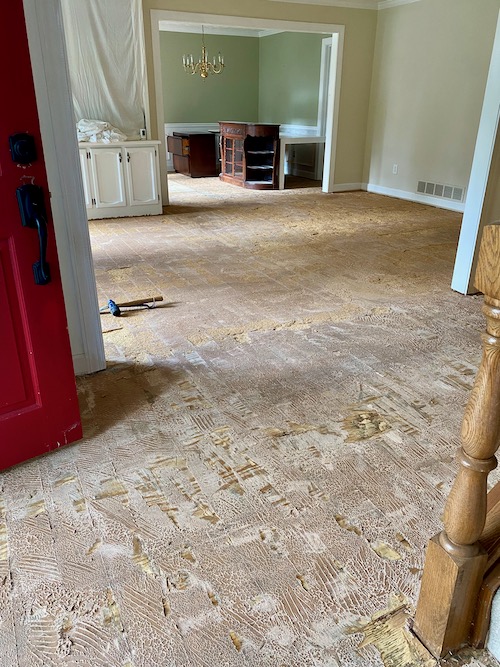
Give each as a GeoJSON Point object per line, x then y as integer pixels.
{"type": "Point", "coordinates": [98, 131]}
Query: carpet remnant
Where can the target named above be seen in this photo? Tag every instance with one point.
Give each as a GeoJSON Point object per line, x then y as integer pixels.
{"type": "Point", "coordinates": [263, 463]}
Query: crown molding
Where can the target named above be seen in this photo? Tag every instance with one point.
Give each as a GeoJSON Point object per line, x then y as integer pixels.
{"type": "Point", "coordinates": [387, 4]}
{"type": "Point", "coordinates": [354, 4]}
{"type": "Point", "coordinates": [179, 26]}
{"type": "Point", "coordinates": [348, 4]}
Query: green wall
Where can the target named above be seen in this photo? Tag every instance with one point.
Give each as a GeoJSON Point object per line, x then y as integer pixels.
{"type": "Point", "coordinates": [274, 79]}
{"type": "Point", "coordinates": [289, 70]}
{"type": "Point", "coordinates": [232, 95]}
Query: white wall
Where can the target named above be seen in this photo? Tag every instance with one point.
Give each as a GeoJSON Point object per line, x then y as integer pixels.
{"type": "Point", "coordinates": [430, 69]}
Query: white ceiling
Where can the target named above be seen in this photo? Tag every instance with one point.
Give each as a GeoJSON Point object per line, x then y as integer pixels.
{"type": "Point", "coordinates": [178, 26]}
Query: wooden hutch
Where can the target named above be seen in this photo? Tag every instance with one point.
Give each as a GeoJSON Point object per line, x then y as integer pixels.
{"type": "Point", "coordinates": [250, 154]}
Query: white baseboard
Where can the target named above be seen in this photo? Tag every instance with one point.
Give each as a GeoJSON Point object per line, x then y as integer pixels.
{"type": "Point", "coordinates": [348, 187]}
{"type": "Point", "coordinates": [439, 202]}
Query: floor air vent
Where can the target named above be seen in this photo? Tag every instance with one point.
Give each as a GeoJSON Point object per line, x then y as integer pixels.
{"type": "Point", "coordinates": [437, 190]}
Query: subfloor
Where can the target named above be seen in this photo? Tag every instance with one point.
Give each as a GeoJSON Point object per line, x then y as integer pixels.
{"type": "Point", "coordinates": [269, 450]}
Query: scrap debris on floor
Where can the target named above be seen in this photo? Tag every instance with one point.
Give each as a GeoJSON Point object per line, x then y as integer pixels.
{"type": "Point", "coordinates": [264, 460]}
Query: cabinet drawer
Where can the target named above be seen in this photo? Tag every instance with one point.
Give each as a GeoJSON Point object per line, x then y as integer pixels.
{"type": "Point", "coordinates": [178, 145]}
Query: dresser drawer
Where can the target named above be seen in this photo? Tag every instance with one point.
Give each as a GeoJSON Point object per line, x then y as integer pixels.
{"type": "Point", "coordinates": [178, 145]}
{"type": "Point", "coordinates": [181, 164]}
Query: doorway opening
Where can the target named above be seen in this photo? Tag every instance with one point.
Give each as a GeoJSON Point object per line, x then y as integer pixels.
{"type": "Point", "coordinates": [331, 78]}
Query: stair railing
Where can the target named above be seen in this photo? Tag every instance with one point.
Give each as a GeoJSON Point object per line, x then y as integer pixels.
{"type": "Point", "coordinates": [456, 560]}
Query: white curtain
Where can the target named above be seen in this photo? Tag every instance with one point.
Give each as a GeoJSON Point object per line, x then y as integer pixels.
{"type": "Point", "coordinates": [106, 61]}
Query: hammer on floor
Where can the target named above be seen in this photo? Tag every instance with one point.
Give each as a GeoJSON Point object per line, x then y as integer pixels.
{"type": "Point", "coordinates": [114, 308]}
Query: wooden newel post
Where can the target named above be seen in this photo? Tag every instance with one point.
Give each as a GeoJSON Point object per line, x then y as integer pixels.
{"type": "Point", "coordinates": [455, 561]}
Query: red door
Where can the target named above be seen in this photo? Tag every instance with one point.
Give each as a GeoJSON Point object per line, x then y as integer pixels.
{"type": "Point", "coordinates": [38, 402]}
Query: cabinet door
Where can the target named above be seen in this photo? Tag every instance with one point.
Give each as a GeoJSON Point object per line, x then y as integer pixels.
{"type": "Point", "coordinates": [141, 175]}
{"type": "Point", "coordinates": [233, 157]}
{"type": "Point", "coordinates": [86, 176]}
{"type": "Point", "coordinates": [107, 177]}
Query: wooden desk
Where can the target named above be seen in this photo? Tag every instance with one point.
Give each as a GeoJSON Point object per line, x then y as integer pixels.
{"type": "Point", "coordinates": [290, 140]}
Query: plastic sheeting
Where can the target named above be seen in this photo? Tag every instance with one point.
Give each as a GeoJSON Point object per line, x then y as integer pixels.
{"type": "Point", "coordinates": [98, 131]}
{"type": "Point", "coordinates": [106, 61]}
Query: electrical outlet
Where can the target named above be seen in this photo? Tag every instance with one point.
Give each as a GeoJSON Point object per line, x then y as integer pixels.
{"type": "Point", "coordinates": [394, 168]}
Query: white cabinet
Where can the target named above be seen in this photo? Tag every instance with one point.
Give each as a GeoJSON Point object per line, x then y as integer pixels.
{"type": "Point", "coordinates": [121, 179]}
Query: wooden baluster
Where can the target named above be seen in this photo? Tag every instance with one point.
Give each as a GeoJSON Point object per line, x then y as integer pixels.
{"type": "Point", "coordinates": [455, 561]}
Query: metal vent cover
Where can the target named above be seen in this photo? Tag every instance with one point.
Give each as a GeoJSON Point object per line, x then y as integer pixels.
{"type": "Point", "coordinates": [454, 192]}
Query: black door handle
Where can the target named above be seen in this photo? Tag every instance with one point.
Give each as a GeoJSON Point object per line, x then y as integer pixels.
{"type": "Point", "coordinates": [41, 269]}
{"type": "Point", "coordinates": [33, 214]}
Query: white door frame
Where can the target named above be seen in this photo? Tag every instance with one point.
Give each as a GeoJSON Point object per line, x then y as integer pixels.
{"type": "Point", "coordinates": [324, 77]}
{"type": "Point", "coordinates": [474, 213]}
{"type": "Point", "coordinates": [332, 111]}
{"type": "Point", "coordinates": [324, 72]}
{"type": "Point", "coordinates": [62, 160]}
{"type": "Point", "coordinates": [333, 100]}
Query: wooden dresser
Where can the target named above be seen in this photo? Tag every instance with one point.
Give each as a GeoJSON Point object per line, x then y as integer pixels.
{"type": "Point", "coordinates": [194, 153]}
{"type": "Point", "coordinates": [250, 154]}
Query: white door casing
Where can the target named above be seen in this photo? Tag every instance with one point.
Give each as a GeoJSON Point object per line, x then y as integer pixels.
{"type": "Point", "coordinates": [474, 213]}
{"type": "Point", "coordinates": [57, 124]}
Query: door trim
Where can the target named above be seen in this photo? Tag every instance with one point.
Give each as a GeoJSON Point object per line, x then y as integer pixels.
{"type": "Point", "coordinates": [55, 110]}
{"type": "Point", "coordinates": [474, 215]}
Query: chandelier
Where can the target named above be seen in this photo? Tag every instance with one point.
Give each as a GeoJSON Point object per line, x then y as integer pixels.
{"type": "Point", "coordinates": [203, 67]}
